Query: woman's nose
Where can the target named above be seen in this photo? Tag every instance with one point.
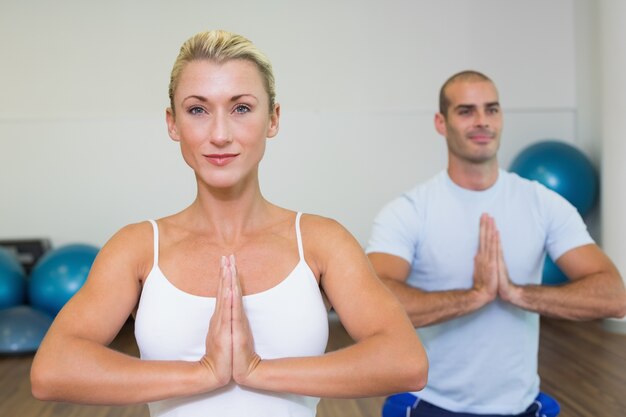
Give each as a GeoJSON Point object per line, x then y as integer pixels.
{"type": "Point", "coordinates": [220, 133]}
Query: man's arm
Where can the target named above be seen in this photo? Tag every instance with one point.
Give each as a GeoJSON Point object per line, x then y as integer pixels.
{"type": "Point", "coordinates": [595, 290]}
{"type": "Point", "coordinates": [425, 308]}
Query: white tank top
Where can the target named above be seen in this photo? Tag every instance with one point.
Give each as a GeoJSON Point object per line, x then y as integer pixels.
{"type": "Point", "coordinates": [287, 320]}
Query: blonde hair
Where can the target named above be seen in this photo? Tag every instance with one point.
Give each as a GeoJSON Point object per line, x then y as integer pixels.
{"type": "Point", "coordinates": [221, 46]}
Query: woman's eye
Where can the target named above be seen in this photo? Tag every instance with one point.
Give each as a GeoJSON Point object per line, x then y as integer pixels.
{"type": "Point", "coordinates": [196, 110]}
{"type": "Point", "coordinates": [242, 108]}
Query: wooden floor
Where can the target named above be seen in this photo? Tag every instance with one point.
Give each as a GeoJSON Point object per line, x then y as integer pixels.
{"type": "Point", "coordinates": [580, 364]}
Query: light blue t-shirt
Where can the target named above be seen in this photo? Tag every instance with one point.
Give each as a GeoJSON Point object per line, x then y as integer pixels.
{"type": "Point", "coordinates": [484, 362]}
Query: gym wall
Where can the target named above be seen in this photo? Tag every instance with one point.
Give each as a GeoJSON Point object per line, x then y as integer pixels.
{"type": "Point", "coordinates": [83, 143]}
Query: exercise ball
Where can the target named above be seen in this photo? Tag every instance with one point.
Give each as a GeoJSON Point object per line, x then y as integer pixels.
{"type": "Point", "coordinates": [12, 280]}
{"type": "Point", "coordinates": [399, 405]}
{"type": "Point", "coordinates": [562, 168]}
{"type": "Point", "coordinates": [58, 275]}
{"type": "Point", "coordinates": [21, 329]}
{"type": "Point", "coordinates": [552, 274]}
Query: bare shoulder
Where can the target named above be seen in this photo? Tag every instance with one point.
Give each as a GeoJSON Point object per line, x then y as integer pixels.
{"type": "Point", "coordinates": [134, 231]}
{"type": "Point", "coordinates": [324, 239]}
{"type": "Point", "coordinates": [133, 237]}
{"type": "Point", "coordinates": [320, 230]}
{"type": "Point", "coordinates": [132, 246]}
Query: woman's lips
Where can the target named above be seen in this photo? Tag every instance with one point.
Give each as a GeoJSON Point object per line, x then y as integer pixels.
{"type": "Point", "coordinates": [221, 159]}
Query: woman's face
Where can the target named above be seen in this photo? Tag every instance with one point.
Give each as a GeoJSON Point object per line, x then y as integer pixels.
{"type": "Point", "coordinates": [222, 120]}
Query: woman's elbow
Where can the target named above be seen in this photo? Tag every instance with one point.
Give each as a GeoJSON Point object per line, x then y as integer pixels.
{"type": "Point", "coordinates": [39, 384]}
{"type": "Point", "coordinates": [413, 371]}
{"type": "Point", "coordinates": [419, 375]}
{"type": "Point", "coordinates": [42, 381]}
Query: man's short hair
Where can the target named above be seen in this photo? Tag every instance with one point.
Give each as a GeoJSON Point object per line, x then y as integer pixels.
{"type": "Point", "coordinates": [467, 75]}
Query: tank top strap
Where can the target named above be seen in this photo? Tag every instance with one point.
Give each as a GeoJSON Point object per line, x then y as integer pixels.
{"type": "Point", "coordinates": [155, 230]}
{"type": "Point", "coordinates": [299, 236]}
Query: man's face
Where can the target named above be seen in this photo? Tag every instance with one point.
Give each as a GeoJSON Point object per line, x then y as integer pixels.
{"type": "Point", "coordinates": [473, 123]}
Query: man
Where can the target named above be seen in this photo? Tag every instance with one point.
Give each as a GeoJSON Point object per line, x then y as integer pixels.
{"type": "Point", "coordinates": [464, 253]}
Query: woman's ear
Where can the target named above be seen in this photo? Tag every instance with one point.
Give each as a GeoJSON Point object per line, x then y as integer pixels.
{"type": "Point", "coordinates": [274, 121]}
{"type": "Point", "coordinates": [170, 119]}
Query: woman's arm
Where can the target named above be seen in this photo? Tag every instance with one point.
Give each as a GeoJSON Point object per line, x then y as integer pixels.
{"type": "Point", "coordinates": [387, 356]}
{"type": "Point", "coordinates": [74, 362]}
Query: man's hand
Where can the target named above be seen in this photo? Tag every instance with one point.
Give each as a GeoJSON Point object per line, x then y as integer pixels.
{"type": "Point", "coordinates": [486, 268]}
{"type": "Point", "coordinates": [507, 291]}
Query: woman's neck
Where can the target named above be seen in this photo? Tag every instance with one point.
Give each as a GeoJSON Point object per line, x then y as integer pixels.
{"type": "Point", "coordinates": [229, 214]}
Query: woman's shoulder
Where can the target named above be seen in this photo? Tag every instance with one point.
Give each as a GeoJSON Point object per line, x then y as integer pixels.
{"type": "Point", "coordinates": [318, 225]}
{"type": "Point", "coordinates": [134, 232]}
{"type": "Point", "coordinates": [324, 234]}
{"type": "Point", "coordinates": [133, 242]}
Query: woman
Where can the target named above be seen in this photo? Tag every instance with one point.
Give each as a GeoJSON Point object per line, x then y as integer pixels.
{"type": "Point", "coordinates": [228, 294]}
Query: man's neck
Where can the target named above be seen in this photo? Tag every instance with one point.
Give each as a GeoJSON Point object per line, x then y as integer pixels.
{"type": "Point", "coordinates": [475, 177]}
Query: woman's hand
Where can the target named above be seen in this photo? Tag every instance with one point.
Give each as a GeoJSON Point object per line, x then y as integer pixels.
{"type": "Point", "coordinates": [229, 344]}
{"type": "Point", "coordinates": [219, 352]}
{"type": "Point", "coordinates": [245, 359]}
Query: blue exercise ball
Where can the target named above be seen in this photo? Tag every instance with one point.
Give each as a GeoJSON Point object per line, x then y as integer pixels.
{"type": "Point", "coordinates": [399, 405]}
{"type": "Point", "coordinates": [12, 280]}
{"type": "Point", "coordinates": [562, 168]}
{"type": "Point", "coordinates": [552, 274]}
{"type": "Point", "coordinates": [58, 275]}
{"type": "Point", "coordinates": [21, 329]}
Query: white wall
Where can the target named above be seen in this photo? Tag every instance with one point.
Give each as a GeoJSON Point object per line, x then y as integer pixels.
{"type": "Point", "coordinates": [83, 145]}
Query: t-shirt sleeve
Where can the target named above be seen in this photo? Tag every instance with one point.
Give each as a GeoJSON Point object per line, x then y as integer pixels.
{"type": "Point", "coordinates": [395, 230]}
{"type": "Point", "coordinates": [565, 227]}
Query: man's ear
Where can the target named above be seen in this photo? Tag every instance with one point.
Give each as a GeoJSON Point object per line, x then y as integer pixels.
{"type": "Point", "coordinates": [170, 119]}
{"type": "Point", "coordinates": [440, 124]}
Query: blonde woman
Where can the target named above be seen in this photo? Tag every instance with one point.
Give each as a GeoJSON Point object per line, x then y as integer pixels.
{"type": "Point", "coordinates": [229, 294]}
